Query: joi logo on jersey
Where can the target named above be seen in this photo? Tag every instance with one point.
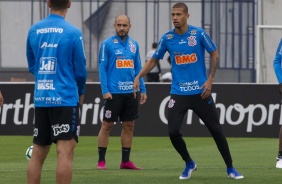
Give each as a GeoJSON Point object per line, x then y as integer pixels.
{"type": "Point", "coordinates": [185, 59]}
{"type": "Point", "coordinates": [124, 63]}
{"type": "Point", "coordinates": [47, 65]}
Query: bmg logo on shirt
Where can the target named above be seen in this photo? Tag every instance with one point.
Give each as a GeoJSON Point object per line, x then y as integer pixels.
{"type": "Point", "coordinates": [47, 65]}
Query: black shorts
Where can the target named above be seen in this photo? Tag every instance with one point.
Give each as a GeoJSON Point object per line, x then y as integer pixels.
{"type": "Point", "coordinates": [123, 107]}
{"type": "Point", "coordinates": [55, 123]}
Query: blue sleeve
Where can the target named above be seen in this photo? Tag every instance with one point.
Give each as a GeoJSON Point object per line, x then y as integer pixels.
{"type": "Point", "coordinates": [277, 63]}
{"type": "Point", "coordinates": [138, 67]}
{"type": "Point", "coordinates": [103, 62]}
{"type": "Point", "coordinates": [79, 61]}
{"type": "Point", "coordinates": [161, 49]}
{"type": "Point", "coordinates": [207, 42]}
{"type": "Point", "coordinates": [30, 56]}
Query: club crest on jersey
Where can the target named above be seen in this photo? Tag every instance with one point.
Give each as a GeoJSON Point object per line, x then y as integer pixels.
{"type": "Point", "coordinates": [132, 47]}
{"type": "Point", "coordinates": [169, 36]}
{"type": "Point", "coordinates": [192, 41]}
{"type": "Point", "coordinates": [193, 32]}
{"type": "Point", "coordinates": [171, 103]}
{"type": "Point", "coordinates": [108, 114]}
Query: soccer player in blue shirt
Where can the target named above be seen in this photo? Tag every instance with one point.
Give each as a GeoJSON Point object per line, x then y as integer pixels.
{"type": "Point", "coordinates": [119, 64]}
{"type": "Point", "coordinates": [278, 71]}
{"type": "Point", "coordinates": [56, 58]}
{"type": "Point", "coordinates": [190, 88]}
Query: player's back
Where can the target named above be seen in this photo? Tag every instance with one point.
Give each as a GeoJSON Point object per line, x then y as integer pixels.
{"type": "Point", "coordinates": [52, 40]}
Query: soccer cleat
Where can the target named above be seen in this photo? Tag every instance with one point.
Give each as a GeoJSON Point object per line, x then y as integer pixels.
{"type": "Point", "coordinates": [279, 162]}
{"type": "Point", "coordinates": [101, 165]}
{"type": "Point", "coordinates": [233, 174]}
{"type": "Point", "coordinates": [129, 165]}
{"type": "Point", "coordinates": [189, 168]}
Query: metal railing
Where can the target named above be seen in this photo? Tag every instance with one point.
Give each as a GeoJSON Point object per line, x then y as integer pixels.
{"type": "Point", "coordinates": [230, 23]}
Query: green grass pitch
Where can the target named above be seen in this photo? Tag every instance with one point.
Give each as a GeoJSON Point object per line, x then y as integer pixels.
{"type": "Point", "coordinates": [252, 157]}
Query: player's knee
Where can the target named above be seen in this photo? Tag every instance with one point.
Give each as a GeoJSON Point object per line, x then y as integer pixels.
{"type": "Point", "coordinates": [215, 129]}
{"type": "Point", "coordinates": [128, 126]}
{"type": "Point", "coordinates": [65, 149]}
{"type": "Point", "coordinates": [107, 126]}
{"type": "Point", "coordinates": [65, 154]}
{"type": "Point", "coordinates": [173, 133]}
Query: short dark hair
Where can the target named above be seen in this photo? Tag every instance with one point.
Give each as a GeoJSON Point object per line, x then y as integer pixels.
{"type": "Point", "coordinates": [154, 45]}
{"type": "Point", "coordinates": [59, 4]}
{"type": "Point", "coordinates": [181, 5]}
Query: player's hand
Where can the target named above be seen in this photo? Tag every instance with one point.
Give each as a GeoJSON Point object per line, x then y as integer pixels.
{"type": "Point", "coordinates": [143, 98]}
{"type": "Point", "coordinates": [107, 96]}
{"type": "Point", "coordinates": [81, 99]}
{"type": "Point", "coordinates": [136, 86]}
{"type": "Point", "coordinates": [280, 89]}
{"type": "Point", "coordinates": [1, 99]}
{"type": "Point", "coordinates": [207, 89]}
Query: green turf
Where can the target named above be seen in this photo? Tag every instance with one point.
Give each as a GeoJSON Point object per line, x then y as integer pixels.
{"type": "Point", "coordinates": [253, 157]}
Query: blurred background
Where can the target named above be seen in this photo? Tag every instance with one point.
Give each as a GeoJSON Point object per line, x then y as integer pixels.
{"type": "Point", "coordinates": [246, 32]}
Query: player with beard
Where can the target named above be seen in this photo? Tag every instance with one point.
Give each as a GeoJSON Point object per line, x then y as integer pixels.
{"type": "Point", "coordinates": [190, 88]}
{"type": "Point", "coordinates": [119, 64]}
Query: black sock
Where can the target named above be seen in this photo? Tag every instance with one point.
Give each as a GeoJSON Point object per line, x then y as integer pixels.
{"type": "Point", "coordinates": [102, 153]}
{"type": "Point", "coordinates": [280, 153]}
{"type": "Point", "coordinates": [125, 154]}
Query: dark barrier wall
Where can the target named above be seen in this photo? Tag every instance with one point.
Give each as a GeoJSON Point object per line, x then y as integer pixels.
{"type": "Point", "coordinates": [245, 110]}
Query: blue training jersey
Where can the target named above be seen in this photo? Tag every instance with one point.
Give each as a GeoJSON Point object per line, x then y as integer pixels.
{"type": "Point", "coordinates": [187, 54]}
{"type": "Point", "coordinates": [55, 55]}
{"type": "Point", "coordinates": [277, 64]}
{"type": "Point", "coordinates": [119, 64]}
